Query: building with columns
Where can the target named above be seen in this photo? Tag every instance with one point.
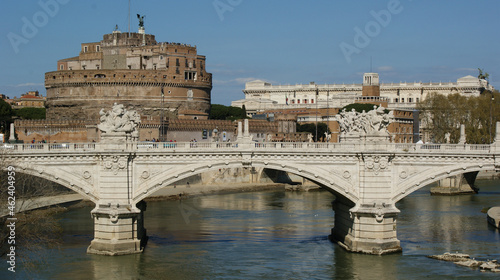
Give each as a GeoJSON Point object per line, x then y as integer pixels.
{"type": "Point", "coordinates": [261, 96]}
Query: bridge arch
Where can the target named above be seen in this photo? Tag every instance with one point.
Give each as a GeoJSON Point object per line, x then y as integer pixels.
{"type": "Point", "coordinates": [67, 180]}
{"type": "Point", "coordinates": [432, 175]}
{"type": "Point", "coordinates": [330, 181]}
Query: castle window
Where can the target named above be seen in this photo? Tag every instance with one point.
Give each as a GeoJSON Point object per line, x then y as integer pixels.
{"type": "Point", "coordinates": [312, 101]}
{"type": "Point", "coordinates": [396, 100]}
{"type": "Point", "coordinates": [189, 75]}
{"type": "Point", "coordinates": [85, 49]}
{"type": "Point", "coordinates": [84, 66]}
{"type": "Point", "coordinates": [177, 62]}
{"type": "Point", "coordinates": [154, 66]}
{"type": "Point", "coordinates": [97, 48]}
{"type": "Point", "coordinates": [161, 57]}
{"type": "Point", "coordinates": [418, 99]}
{"type": "Point", "coordinates": [410, 100]}
{"type": "Point", "coordinates": [61, 67]}
{"type": "Point", "coordinates": [97, 66]}
{"type": "Point", "coordinates": [402, 100]}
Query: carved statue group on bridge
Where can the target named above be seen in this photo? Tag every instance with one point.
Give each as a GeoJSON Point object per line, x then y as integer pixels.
{"type": "Point", "coordinates": [371, 122]}
{"type": "Point", "coordinates": [119, 120]}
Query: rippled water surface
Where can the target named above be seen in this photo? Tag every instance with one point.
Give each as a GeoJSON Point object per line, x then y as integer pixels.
{"type": "Point", "coordinates": [281, 235]}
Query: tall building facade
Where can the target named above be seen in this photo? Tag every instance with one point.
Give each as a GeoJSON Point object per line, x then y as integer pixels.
{"type": "Point", "coordinates": [156, 79]}
{"type": "Point", "coordinates": [261, 96]}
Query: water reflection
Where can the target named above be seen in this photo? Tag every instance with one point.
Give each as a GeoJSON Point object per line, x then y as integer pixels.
{"type": "Point", "coordinates": [280, 235]}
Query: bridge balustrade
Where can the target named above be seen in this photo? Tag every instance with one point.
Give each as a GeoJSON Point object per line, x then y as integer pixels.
{"type": "Point", "coordinates": [299, 146]}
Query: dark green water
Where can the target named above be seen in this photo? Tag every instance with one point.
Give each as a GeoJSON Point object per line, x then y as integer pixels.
{"type": "Point", "coordinates": [280, 235]}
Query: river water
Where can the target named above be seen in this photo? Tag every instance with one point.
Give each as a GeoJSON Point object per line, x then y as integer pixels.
{"type": "Point", "coordinates": [280, 235]}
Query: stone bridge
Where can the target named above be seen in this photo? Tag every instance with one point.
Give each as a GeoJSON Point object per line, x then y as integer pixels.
{"type": "Point", "coordinates": [367, 179]}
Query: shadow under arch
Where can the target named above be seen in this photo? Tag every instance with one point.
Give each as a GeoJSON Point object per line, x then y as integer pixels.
{"type": "Point", "coordinates": [69, 181]}
{"type": "Point", "coordinates": [332, 182]}
{"type": "Point", "coordinates": [420, 180]}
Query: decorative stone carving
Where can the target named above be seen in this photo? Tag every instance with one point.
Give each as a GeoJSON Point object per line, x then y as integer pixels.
{"type": "Point", "coordinates": [328, 137]}
{"type": "Point", "coordinates": [86, 175]}
{"type": "Point", "coordinates": [115, 163]}
{"type": "Point", "coordinates": [145, 175]}
{"type": "Point", "coordinates": [118, 119]}
{"type": "Point", "coordinates": [376, 163]}
{"type": "Point", "coordinates": [372, 122]}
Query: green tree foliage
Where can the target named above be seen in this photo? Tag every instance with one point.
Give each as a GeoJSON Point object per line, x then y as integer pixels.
{"type": "Point", "coordinates": [5, 111]}
{"type": "Point", "coordinates": [5, 118]}
{"type": "Point", "coordinates": [360, 107]}
{"type": "Point", "coordinates": [311, 128]}
{"type": "Point", "coordinates": [442, 114]}
{"type": "Point", "coordinates": [221, 112]}
{"type": "Point", "coordinates": [30, 113]}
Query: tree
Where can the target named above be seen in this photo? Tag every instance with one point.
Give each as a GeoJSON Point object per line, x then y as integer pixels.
{"type": "Point", "coordinates": [221, 112]}
{"type": "Point", "coordinates": [311, 128]}
{"type": "Point", "coordinates": [30, 113]}
{"type": "Point", "coordinates": [6, 114]}
{"type": "Point", "coordinates": [440, 114]}
{"type": "Point", "coordinates": [360, 107]}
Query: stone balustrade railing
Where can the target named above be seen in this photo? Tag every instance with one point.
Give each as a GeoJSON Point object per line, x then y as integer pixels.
{"type": "Point", "coordinates": [262, 146]}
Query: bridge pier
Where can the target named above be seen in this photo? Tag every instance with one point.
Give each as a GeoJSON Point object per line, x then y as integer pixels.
{"type": "Point", "coordinates": [118, 229]}
{"type": "Point", "coordinates": [365, 228]}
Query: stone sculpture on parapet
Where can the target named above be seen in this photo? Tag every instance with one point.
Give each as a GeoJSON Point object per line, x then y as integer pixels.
{"type": "Point", "coordinates": [119, 125]}
{"type": "Point", "coordinates": [364, 126]}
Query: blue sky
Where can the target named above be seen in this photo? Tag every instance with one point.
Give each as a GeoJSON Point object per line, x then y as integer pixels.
{"type": "Point", "coordinates": [280, 41]}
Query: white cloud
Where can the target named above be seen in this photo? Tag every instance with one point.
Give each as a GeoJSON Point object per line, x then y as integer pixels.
{"type": "Point", "coordinates": [467, 70]}
{"type": "Point", "coordinates": [235, 81]}
{"type": "Point", "coordinates": [385, 68]}
{"type": "Point", "coordinates": [29, 85]}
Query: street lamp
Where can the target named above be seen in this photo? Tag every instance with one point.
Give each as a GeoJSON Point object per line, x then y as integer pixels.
{"type": "Point", "coordinates": [327, 113]}
{"type": "Point", "coordinates": [317, 92]}
{"type": "Point", "coordinates": [491, 117]}
{"type": "Point", "coordinates": [162, 132]}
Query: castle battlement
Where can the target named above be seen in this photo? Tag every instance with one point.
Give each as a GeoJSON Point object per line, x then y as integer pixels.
{"type": "Point", "coordinates": [115, 77]}
{"type": "Point", "coordinates": [133, 69]}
